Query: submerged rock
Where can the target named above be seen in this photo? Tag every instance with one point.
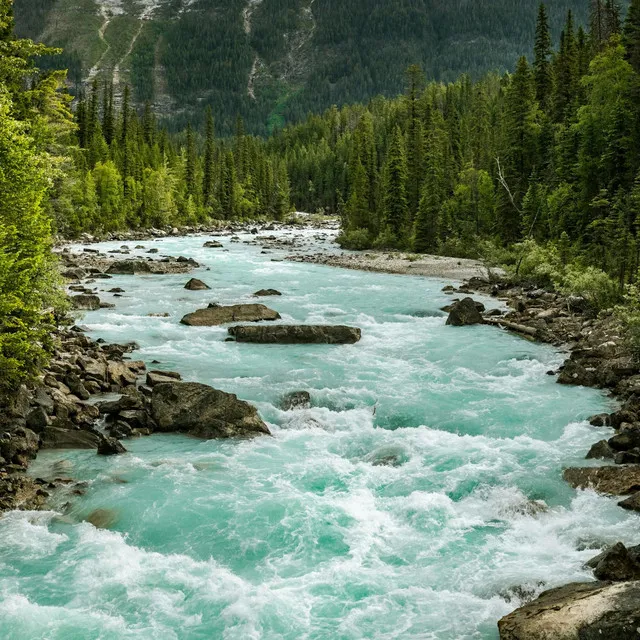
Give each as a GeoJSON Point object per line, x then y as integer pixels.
{"type": "Point", "coordinates": [617, 481]}
{"type": "Point", "coordinates": [203, 411]}
{"type": "Point", "coordinates": [465, 312]}
{"type": "Point", "coordinates": [102, 518]}
{"type": "Point", "coordinates": [267, 292]}
{"type": "Point", "coordinates": [216, 315]}
{"type": "Point", "coordinates": [577, 611]}
{"type": "Point", "coordinates": [295, 400]}
{"type": "Point", "coordinates": [196, 285]}
{"type": "Point", "coordinates": [296, 334]}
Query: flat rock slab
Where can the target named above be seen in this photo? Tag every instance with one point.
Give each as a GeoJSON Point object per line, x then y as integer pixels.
{"type": "Point", "coordinates": [57, 438]}
{"type": "Point", "coordinates": [216, 315]}
{"type": "Point", "coordinates": [203, 411]}
{"type": "Point", "coordinates": [577, 611]}
{"type": "Point", "coordinates": [620, 480]}
{"type": "Point", "coordinates": [296, 334]}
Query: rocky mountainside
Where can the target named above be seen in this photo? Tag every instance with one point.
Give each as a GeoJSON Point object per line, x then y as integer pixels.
{"type": "Point", "coordinates": [273, 61]}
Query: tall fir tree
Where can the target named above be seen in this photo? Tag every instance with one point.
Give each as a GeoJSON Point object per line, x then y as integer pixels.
{"type": "Point", "coordinates": [395, 196]}
{"type": "Point", "coordinates": [542, 64]}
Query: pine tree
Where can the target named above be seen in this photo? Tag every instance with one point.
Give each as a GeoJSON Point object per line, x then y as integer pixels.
{"type": "Point", "coordinates": [415, 138]}
{"type": "Point", "coordinates": [190, 163]}
{"type": "Point", "coordinates": [395, 196]}
{"type": "Point", "coordinates": [209, 151]}
{"type": "Point", "coordinates": [631, 37]}
{"type": "Point", "coordinates": [357, 207]}
{"type": "Point", "coordinates": [542, 65]}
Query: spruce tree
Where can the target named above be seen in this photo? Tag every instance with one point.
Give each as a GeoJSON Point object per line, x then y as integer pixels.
{"type": "Point", "coordinates": [395, 196]}
{"type": "Point", "coordinates": [631, 36]}
{"type": "Point", "coordinates": [209, 151]}
{"type": "Point", "coordinates": [542, 65]}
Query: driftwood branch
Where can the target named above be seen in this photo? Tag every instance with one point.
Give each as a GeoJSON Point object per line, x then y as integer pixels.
{"type": "Point", "coordinates": [503, 181]}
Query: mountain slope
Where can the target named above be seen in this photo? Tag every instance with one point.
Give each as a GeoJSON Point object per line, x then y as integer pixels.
{"type": "Point", "coordinates": [276, 60]}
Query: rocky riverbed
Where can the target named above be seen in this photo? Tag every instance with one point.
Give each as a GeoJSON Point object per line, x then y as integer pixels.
{"type": "Point", "coordinates": [98, 396]}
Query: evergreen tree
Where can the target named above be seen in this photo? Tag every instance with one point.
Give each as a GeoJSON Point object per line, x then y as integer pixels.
{"type": "Point", "coordinates": [395, 196]}
{"type": "Point", "coordinates": [209, 169]}
{"type": "Point", "coordinates": [542, 64]}
{"type": "Point", "coordinates": [632, 35]}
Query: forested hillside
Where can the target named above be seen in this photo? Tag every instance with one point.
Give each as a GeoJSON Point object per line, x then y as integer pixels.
{"type": "Point", "coordinates": [275, 61]}
{"type": "Point", "coordinates": [547, 156]}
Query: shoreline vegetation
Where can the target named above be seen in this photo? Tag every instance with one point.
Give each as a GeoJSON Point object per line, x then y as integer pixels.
{"type": "Point", "coordinates": [537, 171]}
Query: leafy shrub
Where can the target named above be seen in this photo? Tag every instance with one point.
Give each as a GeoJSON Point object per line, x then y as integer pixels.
{"type": "Point", "coordinates": [357, 239]}
{"type": "Point", "coordinates": [594, 285]}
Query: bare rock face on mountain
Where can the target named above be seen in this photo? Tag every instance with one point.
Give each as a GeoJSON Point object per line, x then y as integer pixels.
{"type": "Point", "coordinates": [217, 314]}
{"type": "Point", "coordinates": [296, 334]}
{"type": "Point", "coordinates": [577, 611]}
{"type": "Point", "coordinates": [203, 411]}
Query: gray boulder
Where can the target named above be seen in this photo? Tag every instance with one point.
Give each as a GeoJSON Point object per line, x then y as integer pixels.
{"type": "Point", "coordinates": [85, 302]}
{"type": "Point", "coordinates": [296, 334]}
{"type": "Point", "coordinates": [196, 285]}
{"type": "Point", "coordinates": [296, 400]}
{"type": "Point", "coordinates": [129, 267]}
{"type": "Point", "coordinates": [615, 564]}
{"type": "Point", "coordinates": [465, 312]}
{"type": "Point", "coordinates": [218, 314]}
{"type": "Point", "coordinates": [59, 438]}
{"type": "Point", "coordinates": [577, 611]}
{"type": "Point", "coordinates": [203, 411]}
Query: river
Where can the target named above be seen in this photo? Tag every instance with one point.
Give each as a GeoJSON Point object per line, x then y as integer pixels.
{"type": "Point", "coordinates": [419, 497]}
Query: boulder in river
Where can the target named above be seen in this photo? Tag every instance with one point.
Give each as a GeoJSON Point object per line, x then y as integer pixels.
{"type": "Point", "coordinates": [618, 481]}
{"type": "Point", "coordinates": [85, 302]}
{"type": "Point", "coordinates": [196, 285]}
{"type": "Point", "coordinates": [212, 244]}
{"type": "Point", "coordinates": [295, 400]}
{"type": "Point", "coordinates": [58, 438]}
{"type": "Point", "coordinates": [464, 312]}
{"type": "Point", "coordinates": [616, 564]}
{"type": "Point", "coordinates": [296, 334]}
{"type": "Point", "coordinates": [218, 314]}
{"type": "Point", "coordinates": [158, 377]}
{"type": "Point", "coordinates": [577, 611]}
{"type": "Point", "coordinates": [110, 446]}
{"type": "Point", "coordinates": [204, 412]}
{"type": "Point", "coordinates": [262, 293]}
{"type": "Point", "coordinates": [129, 267]}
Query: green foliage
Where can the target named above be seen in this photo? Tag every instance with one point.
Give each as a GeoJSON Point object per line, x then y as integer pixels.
{"type": "Point", "coordinates": [33, 122]}
{"type": "Point", "coordinates": [628, 314]}
{"type": "Point", "coordinates": [356, 239]}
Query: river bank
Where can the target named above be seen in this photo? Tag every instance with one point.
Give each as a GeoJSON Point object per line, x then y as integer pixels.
{"type": "Point", "coordinates": [567, 323]}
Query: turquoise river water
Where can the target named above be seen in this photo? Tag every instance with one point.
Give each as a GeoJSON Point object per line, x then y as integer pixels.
{"type": "Point", "coordinates": [312, 534]}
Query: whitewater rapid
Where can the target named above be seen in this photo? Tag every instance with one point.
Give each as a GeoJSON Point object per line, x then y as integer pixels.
{"type": "Point", "coordinates": [419, 497]}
